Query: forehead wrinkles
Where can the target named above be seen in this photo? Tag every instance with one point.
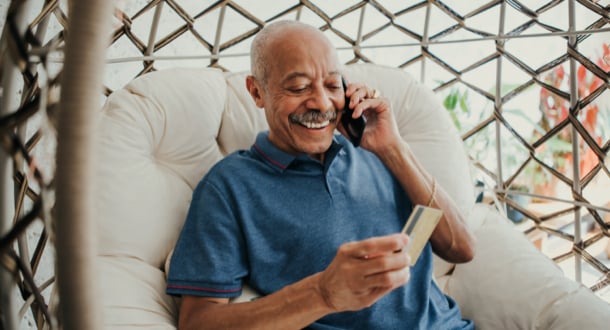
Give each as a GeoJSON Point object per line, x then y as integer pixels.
{"type": "Point", "coordinates": [307, 54]}
{"type": "Point", "coordinates": [300, 61]}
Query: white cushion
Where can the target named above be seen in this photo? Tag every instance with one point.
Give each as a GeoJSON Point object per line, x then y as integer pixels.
{"type": "Point", "coordinates": [133, 295]}
{"type": "Point", "coordinates": [242, 119]}
{"type": "Point", "coordinates": [578, 309]}
{"type": "Point", "coordinates": [158, 138]}
{"type": "Point", "coordinates": [511, 285]}
{"type": "Point", "coordinates": [162, 132]}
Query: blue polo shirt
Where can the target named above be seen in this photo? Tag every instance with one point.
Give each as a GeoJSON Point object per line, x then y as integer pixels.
{"type": "Point", "coordinates": [268, 218]}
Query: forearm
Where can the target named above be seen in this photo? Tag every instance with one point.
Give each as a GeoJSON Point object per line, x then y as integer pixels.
{"type": "Point", "coordinates": [293, 307]}
{"type": "Point", "coordinates": [451, 240]}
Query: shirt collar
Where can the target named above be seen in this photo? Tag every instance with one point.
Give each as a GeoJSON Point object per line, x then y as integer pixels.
{"type": "Point", "coordinates": [280, 159]}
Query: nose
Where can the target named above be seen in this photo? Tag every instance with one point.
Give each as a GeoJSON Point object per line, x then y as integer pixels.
{"type": "Point", "coordinates": [320, 99]}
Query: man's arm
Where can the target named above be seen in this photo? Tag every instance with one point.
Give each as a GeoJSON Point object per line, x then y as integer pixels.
{"type": "Point", "coordinates": [452, 239]}
{"type": "Point", "coordinates": [360, 274]}
{"type": "Point", "coordinates": [295, 306]}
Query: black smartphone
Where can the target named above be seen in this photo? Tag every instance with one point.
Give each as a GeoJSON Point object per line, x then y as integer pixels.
{"type": "Point", "coordinates": [353, 127]}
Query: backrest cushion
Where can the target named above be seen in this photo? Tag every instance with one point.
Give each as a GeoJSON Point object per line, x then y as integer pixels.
{"type": "Point", "coordinates": [161, 133]}
{"type": "Point", "coordinates": [158, 138]}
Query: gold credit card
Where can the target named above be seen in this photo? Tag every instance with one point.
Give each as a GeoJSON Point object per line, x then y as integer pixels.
{"type": "Point", "coordinates": [419, 228]}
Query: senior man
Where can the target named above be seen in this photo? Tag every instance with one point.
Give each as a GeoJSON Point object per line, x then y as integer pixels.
{"type": "Point", "coordinates": [308, 219]}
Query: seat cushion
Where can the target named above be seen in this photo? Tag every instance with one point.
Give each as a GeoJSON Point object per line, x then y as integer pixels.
{"type": "Point", "coordinates": [511, 285]}
{"type": "Point", "coordinates": [133, 295]}
{"type": "Point", "coordinates": [162, 132]}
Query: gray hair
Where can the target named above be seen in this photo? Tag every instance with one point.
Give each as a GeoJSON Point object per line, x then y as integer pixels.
{"type": "Point", "coordinates": [258, 50]}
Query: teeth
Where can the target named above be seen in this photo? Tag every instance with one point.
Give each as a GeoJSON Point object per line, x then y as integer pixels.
{"type": "Point", "coordinates": [316, 125]}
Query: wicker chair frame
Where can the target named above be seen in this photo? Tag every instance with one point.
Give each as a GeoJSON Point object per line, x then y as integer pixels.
{"type": "Point", "coordinates": [52, 67]}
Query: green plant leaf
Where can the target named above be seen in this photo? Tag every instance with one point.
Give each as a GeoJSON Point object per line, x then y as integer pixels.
{"type": "Point", "coordinates": [464, 102]}
{"type": "Point", "coordinates": [451, 100]}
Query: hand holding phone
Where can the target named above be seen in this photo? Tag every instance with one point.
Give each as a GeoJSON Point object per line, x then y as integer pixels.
{"type": "Point", "coordinates": [353, 126]}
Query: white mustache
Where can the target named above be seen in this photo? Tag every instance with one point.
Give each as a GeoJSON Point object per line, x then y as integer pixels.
{"type": "Point", "coordinates": [313, 116]}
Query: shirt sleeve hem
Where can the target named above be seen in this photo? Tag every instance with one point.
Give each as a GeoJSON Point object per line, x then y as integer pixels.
{"type": "Point", "coordinates": [181, 290]}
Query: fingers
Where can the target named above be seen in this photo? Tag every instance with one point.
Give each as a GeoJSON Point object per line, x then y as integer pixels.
{"type": "Point", "coordinates": [375, 246]}
{"type": "Point", "coordinates": [390, 279]}
{"type": "Point", "coordinates": [378, 256]}
{"type": "Point", "coordinates": [364, 271]}
{"type": "Point", "coordinates": [377, 105]}
{"type": "Point", "coordinates": [358, 92]}
{"type": "Point", "coordinates": [363, 98]}
{"type": "Point", "coordinates": [388, 262]}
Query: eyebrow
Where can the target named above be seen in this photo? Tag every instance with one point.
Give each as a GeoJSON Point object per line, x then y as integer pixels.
{"type": "Point", "coordinates": [294, 75]}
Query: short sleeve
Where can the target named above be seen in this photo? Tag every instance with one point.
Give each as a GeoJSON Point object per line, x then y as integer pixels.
{"type": "Point", "coordinates": [209, 257]}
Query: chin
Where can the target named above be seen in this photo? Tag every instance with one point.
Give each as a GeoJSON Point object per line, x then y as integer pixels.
{"type": "Point", "coordinates": [317, 148]}
{"type": "Point", "coordinates": [314, 143]}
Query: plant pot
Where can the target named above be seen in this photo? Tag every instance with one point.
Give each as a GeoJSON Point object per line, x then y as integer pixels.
{"type": "Point", "coordinates": [513, 214]}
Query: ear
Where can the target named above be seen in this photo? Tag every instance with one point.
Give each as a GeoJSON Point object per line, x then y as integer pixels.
{"type": "Point", "coordinates": [256, 91]}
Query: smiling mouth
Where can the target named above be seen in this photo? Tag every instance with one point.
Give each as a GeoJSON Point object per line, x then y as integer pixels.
{"type": "Point", "coordinates": [315, 125]}
{"type": "Point", "coordinates": [314, 119]}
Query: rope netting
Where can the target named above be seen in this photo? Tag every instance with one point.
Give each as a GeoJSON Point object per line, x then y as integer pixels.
{"type": "Point", "coordinates": [527, 84]}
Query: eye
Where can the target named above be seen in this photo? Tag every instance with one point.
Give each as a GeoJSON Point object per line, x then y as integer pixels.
{"type": "Point", "coordinates": [298, 89]}
{"type": "Point", "coordinates": [334, 84]}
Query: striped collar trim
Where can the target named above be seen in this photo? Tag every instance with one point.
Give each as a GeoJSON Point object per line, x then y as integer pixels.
{"type": "Point", "coordinates": [270, 153]}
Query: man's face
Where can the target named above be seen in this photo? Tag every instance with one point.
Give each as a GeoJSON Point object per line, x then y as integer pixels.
{"type": "Point", "coordinates": [302, 94]}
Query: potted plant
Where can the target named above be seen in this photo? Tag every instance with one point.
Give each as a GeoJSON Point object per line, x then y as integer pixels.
{"type": "Point", "coordinates": [555, 109]}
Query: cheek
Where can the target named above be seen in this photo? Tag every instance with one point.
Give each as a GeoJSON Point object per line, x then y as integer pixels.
{"type": "Point", "coordinates": [282, 107]}
{"type": "Point", "coordinates": [277, 117]}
